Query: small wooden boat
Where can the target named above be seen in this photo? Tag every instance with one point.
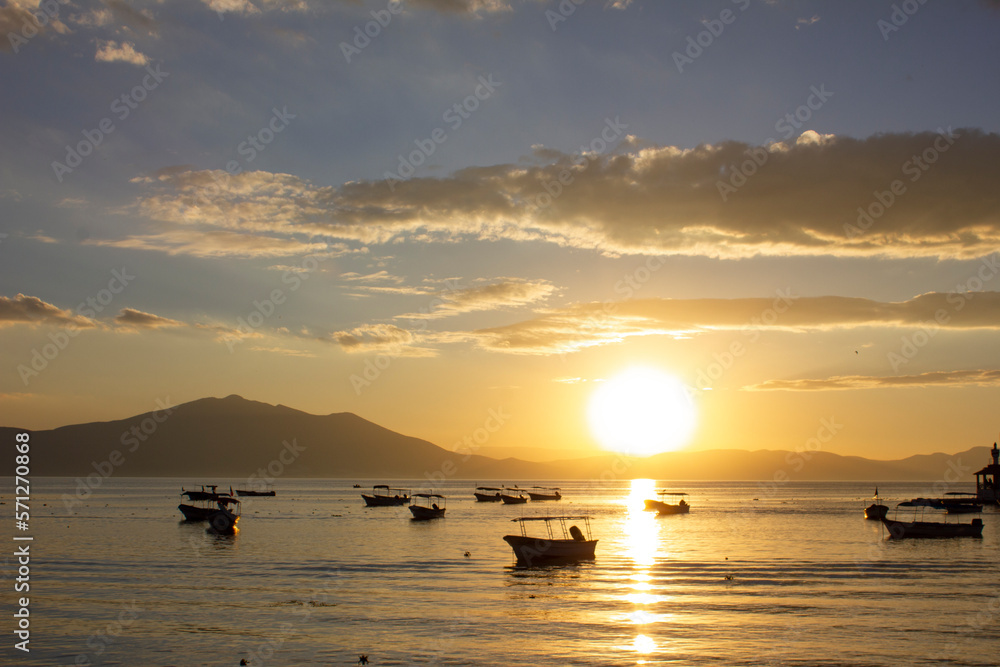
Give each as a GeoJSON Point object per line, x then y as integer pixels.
{"type": "Point", "coordinates": [384, 496]}
{"type": "Point", "coordinates": [487, 494]}
{"type": "Point", "coordinates": [917, 526]}
{"type": "Point", "coordinates": [251, 492]}
{"type": "Point", "coordinates": [544, 493]}
{"type": "Point", "coordinates": [427, 506]}
{"type": "Point", "coordinates": [956, 503]}
{"type": "Point", "coordinates": [513, 496]}
{"type": "Point", "coordinates": [207, 503]}
{"type": "Point", "coordinates": [562, 545]}
{"type": "Point", "coordinates": [661, 506]}
{"type": "Point", "coordinates": [224, 519]}
{"type": "Point", "coordinates": [876, 512]}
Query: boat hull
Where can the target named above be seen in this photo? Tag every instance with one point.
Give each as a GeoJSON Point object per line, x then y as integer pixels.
{"type": "Point", "coordinates": [901, 529]}
{"type": "Point", "coordinates": [223, 522]}
{"type": "Point", "coordinates": [875, 512]}
{"type": "Point", "coordinates": [425, 513]}
{"type": "Point", "coordinates": [193, 513]}
{"type": "Point", "coordinates": [385, 501]}
{"type": "Point", "coordinates": [661, 507]}
{"type": "Point", "coordinates": [513, 500]}
{"type": "Point", "coordinates": [544, 496]}
{"type": "Point", "coordinates": [242, 492]}
{"type": "Point", "coordinates": [488, 498]}
{"type": "Point", "coordinates": [540, 551]}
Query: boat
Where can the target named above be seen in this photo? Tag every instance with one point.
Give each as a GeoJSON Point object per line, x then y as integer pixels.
{"type": "Point", "coordinates": [383, 496]}
{"type": "Point", "coordinates": [207, 503]}
{"type": "Point", "coordinates": [357, 486]}
{"type": "Point", "coordinates": [427, 506]}
{"type": "Point", "coordinates": [661, 506]}
{"type": "Point", "coordinates": [545, 493]}
{"type": "Point", "coordinates": [918, 527]}
{"type": "Point", "coordinates": [562, 545]}
{"type": "Point", "coordinates": [958, 503]}
{"type": "Point", "coordinates": [513, 496]}
{"type": "Point", "coordinates": [224, 519]}
{"type": "Point", "coordinates": [487, 494]}
{"type": "Point", "coordinates": [988, 480]}
{"type": "Point", "coordinates": [251, 492]}
{"type": "Point", "coordinates": [876, 511]}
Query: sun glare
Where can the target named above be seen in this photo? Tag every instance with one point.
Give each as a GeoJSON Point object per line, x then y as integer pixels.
{"type": "Point", "coordinates": [641, 412]}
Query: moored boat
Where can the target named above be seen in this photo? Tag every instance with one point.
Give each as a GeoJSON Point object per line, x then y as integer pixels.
{"type": "Point", "coordinates": [488, 494]}
{"type": "Point", "coordinates": [918, 526]}
{"type": "Point", "coordinates": [251, 492]}
{"type": "Point", "coordinates": [875, 512]}
{"type": "Point", "coordinates": [208, 501]}
{"type": "Point", "coordinates": [661, 506]}
{"type": "Point", "coordinates": [427, 506]}
{"type": "Point", "coordinates": [544, 493]}
{"type": "Point", "coordinates": [562, 545]}
{"type": "Point", "coordinates": [513, 496]}
{"type": "Point", "coordinates": [224, 519]}
{"type": "Point", "coordinates": [385, 496]}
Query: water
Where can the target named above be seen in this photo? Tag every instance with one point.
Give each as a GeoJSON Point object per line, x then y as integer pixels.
{"type": "Point", "coordinates": [795, 577]}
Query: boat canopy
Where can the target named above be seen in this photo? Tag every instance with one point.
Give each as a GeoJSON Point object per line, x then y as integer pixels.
{"type": "Point", "coordinates": [488, 488]}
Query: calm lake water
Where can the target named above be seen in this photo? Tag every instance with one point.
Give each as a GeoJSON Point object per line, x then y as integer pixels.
{"type": "Point", "coordinates": [789, 576]}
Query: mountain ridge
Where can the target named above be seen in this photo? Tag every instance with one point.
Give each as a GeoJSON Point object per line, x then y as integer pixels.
{"type": "Point", "coordinates": [235, 436]}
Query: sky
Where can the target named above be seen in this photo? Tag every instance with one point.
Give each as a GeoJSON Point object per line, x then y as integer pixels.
{"type": "Point", "coordinates": [446, 214]}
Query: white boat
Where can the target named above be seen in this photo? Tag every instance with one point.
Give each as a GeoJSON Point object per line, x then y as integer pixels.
{"type": "Point", "coordinates": [561, 544]}
{"type": "Point", "coordinates": [427, 506]}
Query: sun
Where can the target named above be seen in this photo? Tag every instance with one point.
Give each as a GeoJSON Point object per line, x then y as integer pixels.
{"type": "Point", "coordinates": [642, 411]}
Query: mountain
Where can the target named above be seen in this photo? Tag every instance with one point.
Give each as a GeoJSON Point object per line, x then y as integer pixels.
{"type": "Point", "coordinates": [235, 437]}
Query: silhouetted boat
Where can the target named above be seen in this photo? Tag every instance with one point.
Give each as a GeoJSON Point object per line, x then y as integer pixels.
{"type": "Point", "coordinates": [513, 496]}
{"type": "Point", "coordinates": [251, 492]}
{"type": "Point", "coordinates": [560, 546]}
{"type": "Point", "coordinates": [545, 493]}
{"type": "Point", "coordinates": [876, 512]}
{"type": "Point", "coordinates": [224, 519]}
{"type": "Point", "coordinates": [383, 495]}
{"type": "Point", "coordinates": [958, 503]}
{"type": "Point", "coordinates": [487, 494]}
{"type": "Point", "coordinates": [427, 506]}
{"type": "Point", "coordinates": [661, 505]}
{"type": "Point", "coordinates": [207, 503]}
{"type": "Point", "coordinates": [918, 527]}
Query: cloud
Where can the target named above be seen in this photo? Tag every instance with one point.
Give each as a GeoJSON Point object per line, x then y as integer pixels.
{"type": "Point", "coordinates": [130, 319]}
{"type": "Point", "coordinates": [581, 326]}
{"type": "Point", "coordinates": [979, 377]}
{"type": "Point", "coordinates": [111, 52]}
{"type": "Point", "coordinates": [807, 198]}
{"type": "Point", "coordinates": [508, 293]}
{"type": "Point", "coordinates": [215, 244]}
{"type": "Point", "coordinates": [381, 339]}
{"type": "Point", "coordinates": [18, 24]}
{"type": "Point", "coordinates": [23, 309]}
